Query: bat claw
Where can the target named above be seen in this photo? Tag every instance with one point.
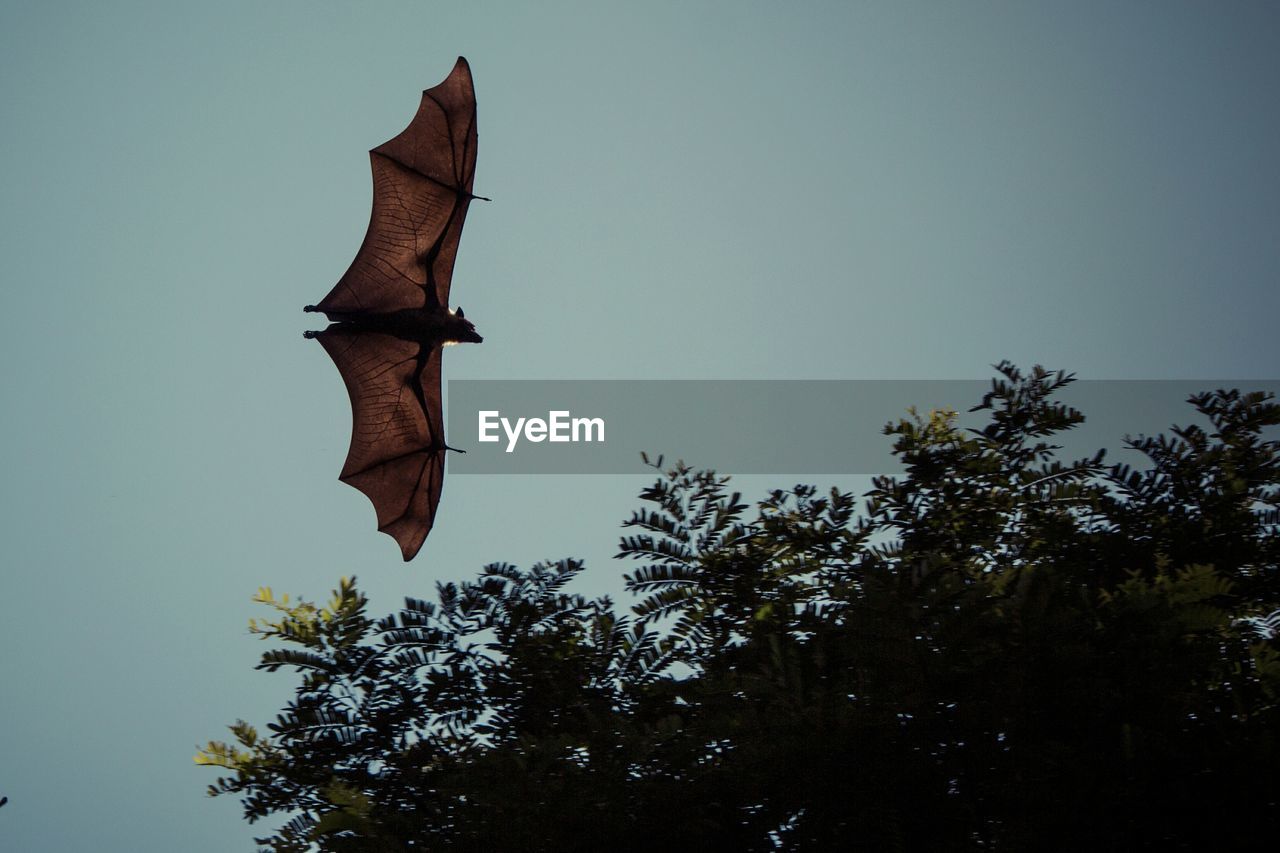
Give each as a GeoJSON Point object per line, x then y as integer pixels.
{"type": "Point", "coordinates": [309, 334]}
{"type": "Point", "coordinates": [454, 449]}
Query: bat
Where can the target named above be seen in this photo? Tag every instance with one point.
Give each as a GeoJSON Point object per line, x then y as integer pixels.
{"type": "Point", "coordinates": [390, 315]}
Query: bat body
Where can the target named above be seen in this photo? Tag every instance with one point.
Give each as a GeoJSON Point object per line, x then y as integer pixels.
{"type": "Point", "coordinates": [390, 312]}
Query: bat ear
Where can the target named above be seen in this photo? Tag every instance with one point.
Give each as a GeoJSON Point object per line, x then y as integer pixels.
{"type": "Point", "coordinates": [461, 315]}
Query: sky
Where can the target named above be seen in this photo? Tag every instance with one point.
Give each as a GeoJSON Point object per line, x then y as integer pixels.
{"type": "Point", "coordinates": [851, 190]}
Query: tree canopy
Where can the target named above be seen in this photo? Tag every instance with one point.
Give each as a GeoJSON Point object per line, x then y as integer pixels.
{"type": "Point", "coordinates": [1003, 650]}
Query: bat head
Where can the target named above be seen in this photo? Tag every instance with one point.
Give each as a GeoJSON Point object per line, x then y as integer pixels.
{"type": "Point", "coordinates": [458, 328]}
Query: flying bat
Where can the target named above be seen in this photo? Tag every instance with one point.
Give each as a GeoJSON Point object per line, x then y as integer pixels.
{"type": "Point", "coordinates": [390, 314]}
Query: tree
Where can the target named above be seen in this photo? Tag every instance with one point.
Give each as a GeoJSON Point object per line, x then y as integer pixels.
{"type": "Point", "coordinates": [1004, 651]}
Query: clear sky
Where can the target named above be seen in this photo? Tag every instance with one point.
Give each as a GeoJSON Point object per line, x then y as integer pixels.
{"type": "Point", "coordinates": [693, 190]}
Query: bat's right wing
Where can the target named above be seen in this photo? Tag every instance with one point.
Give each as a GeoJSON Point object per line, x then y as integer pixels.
{"type": "Point", "coordinates": [397, 433]}
{"type": "Point", "coordinates": [422, 183]}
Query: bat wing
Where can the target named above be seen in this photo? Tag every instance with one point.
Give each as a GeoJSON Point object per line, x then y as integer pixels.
{"type": "Point", "coordinates": [397, 435]}
{"type": "Point", "coordinates": [422, 183]}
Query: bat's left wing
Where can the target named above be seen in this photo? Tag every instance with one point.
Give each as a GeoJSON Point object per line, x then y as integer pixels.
{"type": "Point", "coordinates": [422, 181]}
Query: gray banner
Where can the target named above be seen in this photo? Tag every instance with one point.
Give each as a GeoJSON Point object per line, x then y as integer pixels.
{"type": "Point", "coordinates": [803, 427]}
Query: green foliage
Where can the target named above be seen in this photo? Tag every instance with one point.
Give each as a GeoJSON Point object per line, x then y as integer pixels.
{"type": "Point", "coordinates": [1004, 651]}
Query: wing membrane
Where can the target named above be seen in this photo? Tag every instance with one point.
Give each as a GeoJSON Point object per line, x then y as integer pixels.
{"type": "Point", "coordinates": [397, 450]}
{"type": "Point", "coordinates": [422, 182]}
